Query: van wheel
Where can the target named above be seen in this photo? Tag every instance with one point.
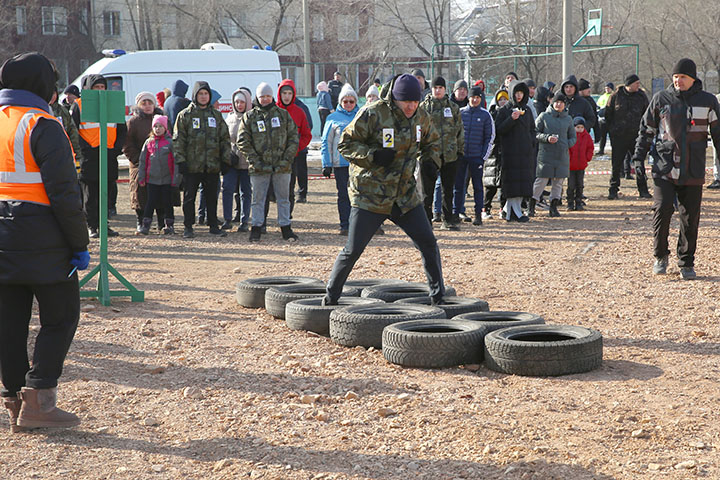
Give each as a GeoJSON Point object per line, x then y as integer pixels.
{"type": "Point", "coordinates": [433, 343]}
{"type": "Point", "coordinates": [250, 293]}
{"type": "Point", "coordinates": [452, 306]}
{"type": "Point", "coordinates": [543, 350]}
{"type": "Point", "coordinates": [276, 298]}
{"type": "Point", "coordinates": [308, 313]}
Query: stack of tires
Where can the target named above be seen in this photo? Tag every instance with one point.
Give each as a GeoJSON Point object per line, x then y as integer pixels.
{"type": "Point", "coordinates": [397, 317]}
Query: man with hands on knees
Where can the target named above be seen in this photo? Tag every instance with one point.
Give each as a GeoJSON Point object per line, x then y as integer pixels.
{"type": "Point", "coordinates": [43, 242]}
{"type": "Point", "coordinates": [382, 144]}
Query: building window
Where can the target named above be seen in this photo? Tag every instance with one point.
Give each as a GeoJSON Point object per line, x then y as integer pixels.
{"type": "Point", "coordinates": [54, 20]}
{"type": "Point", "coordinates": [348, 28]}
{"type": "Point", "coordinates": [231, 29]}
{"type": "Point", "coordinates": [61, 65]}
{"type": "Point", "coordinates": [318, 28]}
{"type": "Point", "coordinates": [111, 23]}
{"type": "Point", "coordinates": [21, 20]}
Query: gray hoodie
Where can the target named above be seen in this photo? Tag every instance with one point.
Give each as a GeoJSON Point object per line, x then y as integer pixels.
{"type": "Point", "coordinates": [233, 122]}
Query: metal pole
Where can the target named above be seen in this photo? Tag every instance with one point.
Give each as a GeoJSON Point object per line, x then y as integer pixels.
{"type": "Point", "coordinates": [306, 47]}
{"type": "Point", "coordinates": [567, 59]}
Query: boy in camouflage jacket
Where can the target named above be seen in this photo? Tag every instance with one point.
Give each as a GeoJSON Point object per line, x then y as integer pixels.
{"type": "Point", "coordinates": [383, 143]}
{"type": "Point", "coordinates": [268, 137]}
{"type": "Point", "coordinates": [201, 145]}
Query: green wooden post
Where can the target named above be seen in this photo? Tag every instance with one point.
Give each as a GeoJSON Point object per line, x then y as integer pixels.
{"type": "Point", "coordinates": [101, 106]}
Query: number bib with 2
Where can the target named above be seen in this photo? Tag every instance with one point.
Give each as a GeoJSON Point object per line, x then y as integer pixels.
{"type": "Point", "coordinates": [388, 135]}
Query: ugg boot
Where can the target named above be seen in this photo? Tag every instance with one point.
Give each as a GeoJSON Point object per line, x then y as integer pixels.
{"type": "Point", "coordinates": [255, 233]}
{"type": "Point", "coordinates": [531, 207]}
{"type": "Point", "coordinates": [288, 234]}
{"type": "Point", "coordinates": [146, 225]}
{"type": "Point", "coordinates": [13, 405]}
{"type": "Point", "coordinates": [553, 211]}
{"type": "Point", "coordinates": [169, 226]}
{"type": "Point", "coordinates": [39, 410]}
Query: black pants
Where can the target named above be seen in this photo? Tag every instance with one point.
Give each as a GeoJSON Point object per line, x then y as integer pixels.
{"type": "Point", "coordinates": [159, 197]}
{"type": "Point", "coordinates": [91, 194]}
{"type": "Point", "coordinates": [210, 183]}
{"type": "Point", "coordinates": [689, 198]}
{"type": "Point", "coordinates": [576, 185]}
{"type": "Point", "coordinates": [323, 113]}
{"type": "Point", "coordinates": [299, 173]}
{"type": "Point", "coordinates": [364, 224]}
{"type": "Point", "coordinates": [112, 165]}
{"type": "Point", "coordinates": [601, 134]}
{"type": "Point", "coordinates": [621, 146]}
{"type": "Point", "coordinates": [429, 173]}
{"type": "Point", "coordinates": [488, 198]}
{"type": "Point", "coordinates": [59, 306]}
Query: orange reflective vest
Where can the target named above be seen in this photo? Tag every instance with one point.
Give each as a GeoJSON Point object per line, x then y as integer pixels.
{"type": "Point", "coordinates": [90, 132]}
{"type": "Point", "coordinates": [20, 178]}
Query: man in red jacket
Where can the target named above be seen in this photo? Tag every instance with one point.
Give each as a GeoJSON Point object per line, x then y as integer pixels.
{"type": "Point", "coordinates": [286, 101]}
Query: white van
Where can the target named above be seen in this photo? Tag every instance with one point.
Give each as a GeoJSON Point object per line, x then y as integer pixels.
{"type": "Point", "coordinates": [226, 69]}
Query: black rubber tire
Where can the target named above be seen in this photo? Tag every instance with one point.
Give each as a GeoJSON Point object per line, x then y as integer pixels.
{"type": "Point", "coordinates": [497, 319]}
{"type": "Point", "coordinates": [309, 314]}
{"type": "Point", "coordinates": [395, 291]}
{"type": "Point", "coordinates": [363, 324]}
{"type": "Point", "coordinates": [250, 293]}
{"type": "Point", "coordinates": [363, 283]}
{"type": "Point", "coordinates": [276, 298]}
{"type": "Point", "coordinates": [453, 306]}
{"type": "Point", "coordinates": [433, 343]}
{"type": "Point", "coordinates": [543, 350]}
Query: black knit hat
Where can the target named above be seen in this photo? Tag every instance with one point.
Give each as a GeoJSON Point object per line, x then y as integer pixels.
{"type": "Point", "coordinates": [513, 74]}
{"type": "Point", "coordinates": [686, 67]}
{"type": "Point", "coordinates": [407, 88]}
{"type": "Point", "coordinates": [418, 73]}
{"type": "Point", "coordinates": [72, 89]}
{"type": "Point", "coordinates": [610, 85]}
{"type": "Point", "coordinates": [559, 96]}
{"type": "Point", "coordinates": [630, 79]}
{"type": "Point", "coordinates": [529, 82]}
{"type": "Point", "coordinates": [439, 82]}
{"type": "Point", "coordinates": [476, 92]}
{"type": "Point", "coordinates": [29, 71]}
{"type": "Point", "coordinates": [579, 121]}
{"type": "Point", "coordinates": [583, 84]}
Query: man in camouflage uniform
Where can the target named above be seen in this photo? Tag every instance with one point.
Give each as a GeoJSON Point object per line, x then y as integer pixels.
{"type": "Point", "coordinates": [383, 143]}
{"type": "Point", "coordinates": [63, 115]}
{"type": "Point", "coordinates": [201, 145]}
{"type": "Point", "coordinates": [269, 139]}
{"type": "Point", "coordinates": [445, 117]}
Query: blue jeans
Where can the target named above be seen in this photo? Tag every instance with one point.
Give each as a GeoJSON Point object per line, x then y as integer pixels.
{"type": "Point", "coordinates": [342, 175]}
{"type": "Point", "coordinates": [229, 187]}
{"type": "Point", "coordinates": [475, 171]}
{"type": "Point", "coordinates": [281, 187]}
{"type": "Point", "coordinates": [437, 205]}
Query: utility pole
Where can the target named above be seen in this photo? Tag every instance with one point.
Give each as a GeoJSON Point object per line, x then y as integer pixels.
{"type": "Point", "coordinates": [567, 54]}
{"type": "Point", "coordinates": [306, 47]}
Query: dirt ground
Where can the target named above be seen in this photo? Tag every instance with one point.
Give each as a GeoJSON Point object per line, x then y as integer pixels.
{"type": "Point", "coordinates": [190, 385]}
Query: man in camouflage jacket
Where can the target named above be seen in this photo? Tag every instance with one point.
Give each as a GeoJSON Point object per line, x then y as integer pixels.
{"type": "Point", "coordinates": [201, 145]}
{"type": "Point", "coordinates": [383, 143]}
{"type": "Point", "coordinates": [445, 117]}
{"type": "Point", "coordinates": [64, 117]}
{"type": "Point", "coordinates": [269, 139]}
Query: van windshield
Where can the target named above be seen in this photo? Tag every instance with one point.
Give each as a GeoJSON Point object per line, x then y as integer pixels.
{"type": "Point", "coordinates": [114, 83]}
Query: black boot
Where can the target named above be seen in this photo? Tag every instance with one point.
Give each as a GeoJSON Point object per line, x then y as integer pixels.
{"type": "Point", "coordinates": [255, 233]}
{"type": "Point", "coordinates": [288, 234]}
{"type": "Point", "coordinates": [145, 229]}
{"type": "Point", "coordinates": [531, 208]}
{"type": "Point", "coordinates": [139, 214]}
{"type": "Point", "coordinates": [553, 211]}
{"type": "Point", "coordinates": [169, 226]}
{"type": "Point", "coordinates": [571, 205]}
{"type": "Point", "coordinates": [238, 203]}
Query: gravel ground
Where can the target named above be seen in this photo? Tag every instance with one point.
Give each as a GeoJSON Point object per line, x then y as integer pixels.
{"type": "Point", "coordinates": [190, 385]}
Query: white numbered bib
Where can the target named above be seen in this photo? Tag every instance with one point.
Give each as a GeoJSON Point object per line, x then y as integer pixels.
{"type": "Point", "coordinates": [196, 123]}
{"type": "Point", "coordinates": [275, 122]}
{"type": "Point", "coordinates": [388, 138]}
{"type": "Point", "coordinates": [418, 133]}
{"type": "Point", "coordinates": [448, 112]}
{"type": "Point", "coordinates": [261, 126]}
{"type": "Point", "coordinates": [211, 122]}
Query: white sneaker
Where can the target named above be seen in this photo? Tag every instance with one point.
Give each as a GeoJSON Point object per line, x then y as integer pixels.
{"type": "Point", "coordinates": [486, 216]}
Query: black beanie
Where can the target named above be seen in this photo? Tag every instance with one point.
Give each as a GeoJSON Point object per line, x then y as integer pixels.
{"type": "Point", "coordinates": [583, 84]}
{"type": "Point", "coordinates": [559, 96]}
{"type": "Point", "coordinates": [439, 82]}
{"type": "Point", "coordinates": [579, 121]}
{"type": "Point", "coordinates": [72, 89]}
{"type": "Point", "coordinates": [686, 67]}
{"type": "Point", "coordinates": [476, 91]}
{"type": "Point", "coordinates": [513, 74]}
{"type": "Point", "coordinates": [29, 71]}
{"type": "Point", "coordinates": [407, 88]}
{"type": "Point", "coordinates": [530, 82]}
{"type": "Point", "coordinates": [632, 78]}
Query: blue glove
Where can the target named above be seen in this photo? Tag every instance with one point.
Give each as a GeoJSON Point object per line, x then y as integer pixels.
{"type": "Point", "coordinates": [80, 259]}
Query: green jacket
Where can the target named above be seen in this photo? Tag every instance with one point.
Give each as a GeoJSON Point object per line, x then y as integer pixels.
{"type": "Point", "coordinates": [445, 116]}
{"type": "Point", "coordinates": [63, 115]}
{"type": "Point", "coordinates": [202, 139]}
{"type": "Point", "coordinates": [377, 188]}
{"type": "Point", "coordinates": [268, 137]}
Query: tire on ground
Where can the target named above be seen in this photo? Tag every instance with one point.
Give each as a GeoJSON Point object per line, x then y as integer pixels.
{"type": "Point", "coordinates": [250, 293]}
{"type": "Point", "coordinates": [433, 343]}
{"type": "Point", "coordinates": [497, 319]}
{"type": "Point", "coordinates": [395, 291]}
{"type": "Point", "coordinates": [276, 298]}
{"type": "Point", "coordinates": [363, 324]}
{"type": "Point", "coordinates": [543, 350]}
{"type": "Point", "coordinates": [363, 283]}
{"type": "Point", "coordinates": [309, 314]}
{"type": "Point", "coordinates": [453, 306]}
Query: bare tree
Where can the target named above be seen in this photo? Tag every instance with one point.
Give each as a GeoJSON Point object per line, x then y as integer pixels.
{"type": "Point", "coordinates": [277, 25]}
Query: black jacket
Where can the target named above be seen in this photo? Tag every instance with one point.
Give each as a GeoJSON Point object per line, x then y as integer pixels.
{"type": "Point", "coordinates": [176, 103]}
{"type": "Point", "coordinates": [577, 105]}
{"type": "Point", "coordinates": [624, 111]}
{"type": "Point", "coordinates": [516, 139]}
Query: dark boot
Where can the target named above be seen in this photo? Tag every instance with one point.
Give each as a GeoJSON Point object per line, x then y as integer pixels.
{"type": "Point", "coordinates": [145, 229]}
{"type": "Point", "coordinates": [238, 203]}
{"type": "Point", "coordinates": [13, 405]}
{"type": "Point", "coordinates": [570, 205]}
{"type": "Point", "coordinates": [39, 410]}
{"type": "Point", "coordinates": [554, 208]}
{"type": "Point", "coordinates": [255, 233]}
{"type": "Point", "coordinates": [169, 226]}
{"type": "Point", "coordinates": [139, 215]}
{"type": "Point", "coordinates": [288, 234]}
{"type": "Point", "coordinates": [161, 221]}
{"type": "Point", "coordinates": [531, 208]}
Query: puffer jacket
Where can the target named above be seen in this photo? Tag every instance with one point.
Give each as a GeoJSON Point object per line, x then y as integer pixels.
{"type": "Point", "coordinates": [624, 111]}
{"type": "Point", "coordinates": [382, 123]}
{"type": "Point", "coordinates": [334, 126]}
{"type": "Point", "coordinates": [233, 121]}
{"type": "Point", "coordinates": [157, 164]}
{"type": "Point", "coordinates": [479, 130]}
{"type": "Point", "coordinates": [679, 123]}
{"type": "Point", "coordinates": [582, 152]}
{"type": "Point", "coordinates": [297, 114]}
{"type": "Point", "coordinates": [553, 159]}
{"type": "Point", "coordinates": [445, 117]}
{"type": "Point", "coordinates": [201, 138]}
{"type": "Point", "coordinates": [268, 137]}
{"type": "Point", "coordinates": [577, 105]}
